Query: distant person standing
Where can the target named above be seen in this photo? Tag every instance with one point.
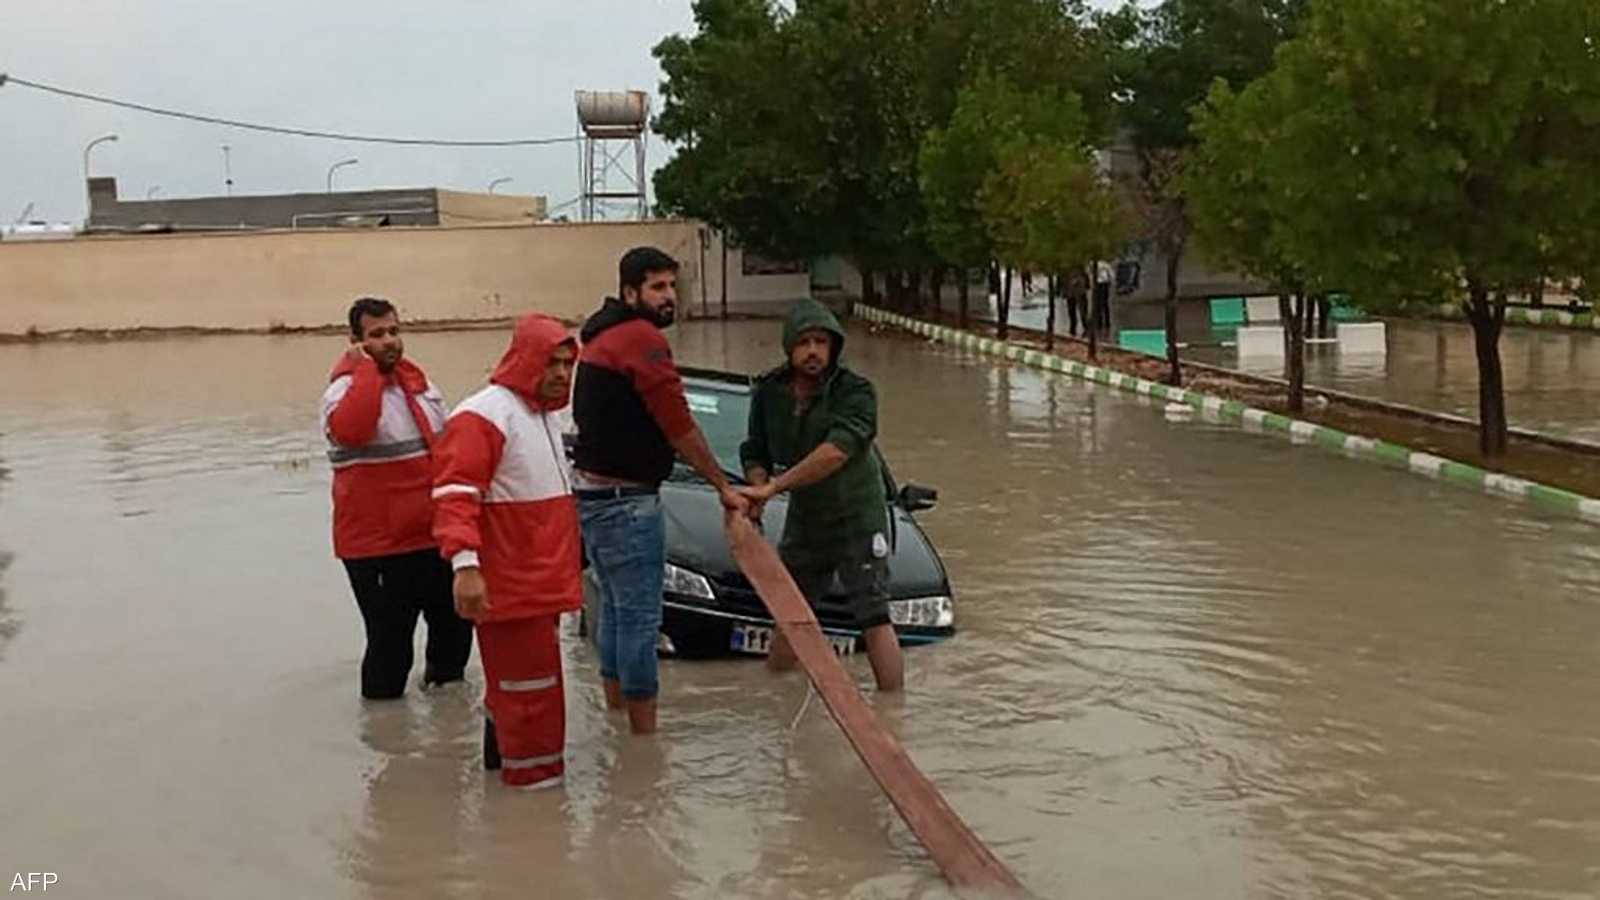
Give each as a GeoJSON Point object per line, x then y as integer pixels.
{"type": "Point", "coordinates": [1100, 316]}
{"type": "Point", "coordinates": [507, 520]}
{"type": "Point", "coordinates": [633, 418]}
{"type": "Point", "coordinates": [380, 415]}
{"type": "Point", "coordinates": [811, 434]}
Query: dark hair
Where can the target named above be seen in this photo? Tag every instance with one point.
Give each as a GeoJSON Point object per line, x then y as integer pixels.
{"type": "Point", "coordinates": [638, 263]}
{"type": "Point", "coordinates": [376, 307]}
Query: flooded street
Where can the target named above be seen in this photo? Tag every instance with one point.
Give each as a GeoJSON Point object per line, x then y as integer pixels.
{"type": "Point", "coordinates": [1191, 662]}
{"type": "Point", "coordinates": [1552, 376]}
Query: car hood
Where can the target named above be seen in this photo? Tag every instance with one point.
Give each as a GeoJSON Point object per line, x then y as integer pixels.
{"type": "Point", "coordinates": [695, 541]}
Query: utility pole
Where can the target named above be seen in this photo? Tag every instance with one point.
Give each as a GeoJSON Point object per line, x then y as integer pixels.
{"type": "Point", "coordinates": [337, 166]}
{"type": "Point", "coordinates": [88, 198]}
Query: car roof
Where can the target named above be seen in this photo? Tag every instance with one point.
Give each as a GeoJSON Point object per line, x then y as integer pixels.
{"type": "Point", "coordinates": [716, 379]}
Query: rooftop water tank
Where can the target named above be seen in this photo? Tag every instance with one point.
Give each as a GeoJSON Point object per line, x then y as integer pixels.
{"type": "Point", "coordinates": [613, 111]}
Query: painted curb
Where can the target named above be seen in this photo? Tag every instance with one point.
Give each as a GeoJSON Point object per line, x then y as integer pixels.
{"type": "Point", "coordinates": [1259, 421]}
{"type": "Point", "coordinates": [1530, 318]}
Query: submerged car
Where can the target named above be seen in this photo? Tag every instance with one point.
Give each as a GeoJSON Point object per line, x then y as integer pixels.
{"type": "Point", "coordinates": [710, 609]}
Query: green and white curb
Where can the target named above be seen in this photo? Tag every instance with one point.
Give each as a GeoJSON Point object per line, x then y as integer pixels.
{"type": "Point", "coordinates": [1536, 318]}
{"type": "Point", "coordinates": [1258, 421]}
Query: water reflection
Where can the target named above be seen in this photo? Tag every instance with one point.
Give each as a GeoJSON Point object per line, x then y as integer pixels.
{"type": "Point", "coordinates": [1190, 662]}
{"type": "Point", "coordinates": [10, 624]}
{"type": "Point", "coordinates": [1552, 378]}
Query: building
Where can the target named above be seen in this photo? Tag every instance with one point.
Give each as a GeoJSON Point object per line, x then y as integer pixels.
{"type": "Point", "coordinates": [342, 209]}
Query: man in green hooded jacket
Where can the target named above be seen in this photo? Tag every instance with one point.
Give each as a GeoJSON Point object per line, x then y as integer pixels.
{"type": "Point", "coordinates": [811, 432]}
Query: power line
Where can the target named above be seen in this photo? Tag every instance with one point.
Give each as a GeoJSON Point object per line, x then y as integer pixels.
{"type": "Point", "coordinates": [275, 129]}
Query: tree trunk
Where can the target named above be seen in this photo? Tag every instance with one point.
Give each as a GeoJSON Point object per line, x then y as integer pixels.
{"type": "Point", "coordinates": [936, 289]}
{"type": "Point", "coordinates": [914, 290]}
{"type": "Point", "coordinates": [869, 287]}
{"type": "Point", "coordinates": [1536, 296]}
{"type": "Point", "coordinates": [1050, 315]}
{"type": "Point", "coordinates": [1003, 310]}
{"type": "Point", "coordinates": [724, 276]}
{"type": "Point", "coordinates": [966, 295]}
{"type": "Point", "coordinates": [1296, 319]}
{"type": "Point", "coordinates": [1488, 316]}
{"type": "Point", "coordinates": [1174, 260]}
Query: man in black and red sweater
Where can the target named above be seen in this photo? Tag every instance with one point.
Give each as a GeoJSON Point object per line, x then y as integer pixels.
{"type": "Point", "coordinates": [632, 418]}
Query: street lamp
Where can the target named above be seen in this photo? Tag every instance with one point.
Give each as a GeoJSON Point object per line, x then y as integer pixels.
{"type": "Point", "coordinates": [338, 165]}
{"type": "Point", "coordinates": [498, 181]}
{"type": "Point", "coordinates": [87, 198]}
{"type": "Point", "coordinates": [150, 194]}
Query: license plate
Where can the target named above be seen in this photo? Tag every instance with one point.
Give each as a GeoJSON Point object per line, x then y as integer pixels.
{"type": "Point", "coordinates": [757, 640]}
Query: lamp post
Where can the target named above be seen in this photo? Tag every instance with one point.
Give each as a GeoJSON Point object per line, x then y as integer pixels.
{"type": "Point", "coordinates": [339, 165]}
{"type": "Point", "coordinates": [498, 181]}
{"type": "Point", "coordinates": [227, 169]}
{"type": "Point", "coordinates": [88, 199]}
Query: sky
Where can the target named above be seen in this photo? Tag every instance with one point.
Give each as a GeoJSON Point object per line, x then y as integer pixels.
{"type": "Point", "coordinates": [470, 69]}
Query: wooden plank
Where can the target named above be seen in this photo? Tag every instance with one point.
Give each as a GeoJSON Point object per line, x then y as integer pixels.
{"type": "Point", "coordinates": [965, 861]}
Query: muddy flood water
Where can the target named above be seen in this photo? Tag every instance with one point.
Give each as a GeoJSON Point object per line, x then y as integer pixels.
{"type": "Point", "coordinates": [1191, 663]}
{"type": "Point", "coordinates": [1552, 376]}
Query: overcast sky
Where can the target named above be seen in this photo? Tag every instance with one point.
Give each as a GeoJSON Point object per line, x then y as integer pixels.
{"type": "Point", "coordinates": [471, 69]}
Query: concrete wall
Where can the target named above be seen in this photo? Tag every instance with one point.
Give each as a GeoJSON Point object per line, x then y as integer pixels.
{"type": "Point", "coordinates": [286, 279]}
{"type": "Point", "coordinates": [409, 206]}
{"type": "Point", "coordinates": [747, 294]}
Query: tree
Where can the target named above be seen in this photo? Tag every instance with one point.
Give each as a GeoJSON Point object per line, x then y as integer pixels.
{"type": "Point", "coordinates": [1165, 60]}
{"type": "Point", "coordinates": [720, 106]}
{"type": "Point", "coordinates": [800, 132]}
{"type": "Point", "coordinates": [969, 213]}
{"type": "Point", "coordinates": [1440, 148]}
{"type": "Point", "coordinates": [952, 166]}
{"type": "Point", "coordinates": [1049, 210]}
{"type": "Point", "coordinates": [1238, 216]}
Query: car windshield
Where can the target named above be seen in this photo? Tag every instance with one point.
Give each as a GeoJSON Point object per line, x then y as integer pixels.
{"type": "Point", "coordinates": [723, 414]}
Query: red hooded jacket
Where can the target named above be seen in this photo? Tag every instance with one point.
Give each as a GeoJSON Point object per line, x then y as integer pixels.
{"type": "Point", "coordinates": [502, 487]}
{"type": "Point", "coordinates": [380, 429]}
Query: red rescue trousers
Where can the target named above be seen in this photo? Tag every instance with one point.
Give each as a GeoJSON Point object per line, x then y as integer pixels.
{"type": "Point", "coordinates": [525, 698]}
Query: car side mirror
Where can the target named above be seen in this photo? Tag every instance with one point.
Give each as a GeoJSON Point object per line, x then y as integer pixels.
{"type": "Point", "coordinates": [916, 498]}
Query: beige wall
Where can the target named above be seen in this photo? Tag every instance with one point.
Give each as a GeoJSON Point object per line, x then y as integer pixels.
{"type": "Point", "coordinates": [268, 280]}
{"type": "Point", "coordinates": [286, 279]}
{"type": "Point", "coordinates": [747, 294]}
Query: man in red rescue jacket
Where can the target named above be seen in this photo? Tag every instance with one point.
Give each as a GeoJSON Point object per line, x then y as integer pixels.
{"type": "Point", "coordinates": [506, 518]}
{"type": "Point", "coordinates": [380, 415]}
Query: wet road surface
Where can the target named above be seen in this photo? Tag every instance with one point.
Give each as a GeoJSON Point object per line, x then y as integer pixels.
{"type": "Point", "coordinates": [1192, 662]}
{"type": "Point", "coordinates": [1552, 376]}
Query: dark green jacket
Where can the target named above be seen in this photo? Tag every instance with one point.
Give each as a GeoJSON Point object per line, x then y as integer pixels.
{"type": "Point", "coordinates": [842, 512]}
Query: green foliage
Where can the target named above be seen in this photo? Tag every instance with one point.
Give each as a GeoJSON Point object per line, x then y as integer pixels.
{"type": "Point", "coordinates": [1042, 201]}
{"type": "Point", "coordinates": [1164, 60]}
{"type": "Point", "coordinates": [1239, 216]}
{"type": "Point", "coordinates": [958, 162]}
{"type": "Point", "coordinates": [1049, 210]}
{"type": "Point", "coordinates": [803, 132]}
{"type": "Point", "coordinates": [1415, 148]}
{"type": "Point", "coordinates": [1171, 54]}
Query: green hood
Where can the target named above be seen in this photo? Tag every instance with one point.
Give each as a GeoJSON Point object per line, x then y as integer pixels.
{"type": "Point", "coordinates": [807, 315]}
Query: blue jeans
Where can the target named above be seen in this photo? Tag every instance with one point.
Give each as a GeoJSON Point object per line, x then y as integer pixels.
{"type": "Point", "coordinates": [625, 540]}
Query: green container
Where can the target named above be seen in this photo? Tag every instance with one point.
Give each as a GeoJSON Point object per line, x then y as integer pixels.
{"type": "Point", "coordinates": [1227, 311]}
{"type": "Point", "coordinates": [1153, 341]}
